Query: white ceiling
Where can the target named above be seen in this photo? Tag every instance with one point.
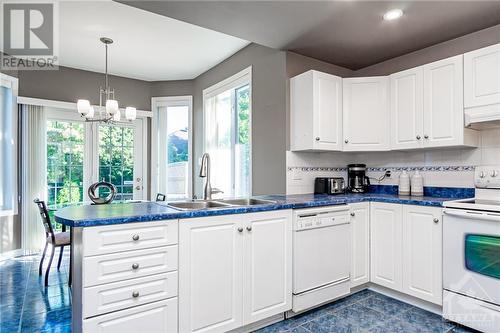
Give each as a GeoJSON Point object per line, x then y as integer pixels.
{"type": "Point", "coordinates": [146, 46]}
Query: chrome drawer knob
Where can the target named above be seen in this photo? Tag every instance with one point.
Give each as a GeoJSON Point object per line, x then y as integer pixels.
{"type": "Point", "coordinates": [346, 141]}
{"type": "Point", "coordinates": [418, 137]}
{"type": "Point", "coordinates": [249, 228]}
{"type": "Point", "coordinates": [135, 237]}
{"type": "Point", "coordinates": [436, 220]}
{"type": "Point", "coordinates": [353, 214]}
{"type": "Point", "coordinates": [240, 229]}
{"type": "Point", "coordinates": [317, 138]}
{"type": "Point", "coordinates": [426, 136]}
{"type": "Point", "coordinates": [135, 266]}
{"type": "Point", "coordinates": [135, 294]}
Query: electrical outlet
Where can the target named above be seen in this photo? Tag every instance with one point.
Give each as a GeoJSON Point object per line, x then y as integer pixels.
{"type": "Point", "coordinates": [388, 173]}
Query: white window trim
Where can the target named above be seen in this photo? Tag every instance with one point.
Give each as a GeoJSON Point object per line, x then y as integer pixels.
{"type": "Point", "coordinates": [241, 78]}
{"type": "Point", "coordinates": [13, 83]}
{"type": "Point", "coordinates": [166, 101]}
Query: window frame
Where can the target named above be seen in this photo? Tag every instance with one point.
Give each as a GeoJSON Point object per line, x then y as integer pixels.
{"type": "Point", "coordinates": [156, 168]}
{"type": "Point", "coordinates": [233, 83]}
{"type": "Point", "coordinates": [13, 83]}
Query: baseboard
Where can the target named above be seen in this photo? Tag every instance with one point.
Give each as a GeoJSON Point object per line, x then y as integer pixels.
{"type": "Point", "coordinates": [259, 324]}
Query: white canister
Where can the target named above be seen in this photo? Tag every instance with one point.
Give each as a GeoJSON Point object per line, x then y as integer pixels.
{"type": "Point", "coordinates": [417, 184]}
{"type": "Point", "coordinates": [404, 183]}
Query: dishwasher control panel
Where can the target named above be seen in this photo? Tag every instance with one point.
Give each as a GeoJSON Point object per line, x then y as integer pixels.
{"type": "Point", "coordinates": [305, 219]}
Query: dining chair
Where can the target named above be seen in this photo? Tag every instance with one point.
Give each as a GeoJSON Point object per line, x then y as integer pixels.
{"type": "Point", "coordinates": [161, 197]}
{"type": "Point", "coordinates": [60, 240]}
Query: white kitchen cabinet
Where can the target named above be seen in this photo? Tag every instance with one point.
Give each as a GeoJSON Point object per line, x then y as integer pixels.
{"type": "Point", "coordinates": [366, 114]}
{"type": "Point", "coordinates": [211, 273]}
{"type": "Point", "coordinates": [360, 243]}
{"type": "Point", "coordinates": [234, 270]}
{"type": "Point", "coordinates": [422, 252]}
{"type": "Point", "coordinates": [316, 112]}
{"type": "Point", "coordinates": [386, 244]}
{"type": "Point", "coordinates": [267, 286]}
{"type": "Point", "coordinates": [157, 317]}
{"type": "Point", "coordinates": [443, 103]}
{"type": "Point", "coordinates": [407, 109]}
{"type": "Point", "coordinates": [482, 81]}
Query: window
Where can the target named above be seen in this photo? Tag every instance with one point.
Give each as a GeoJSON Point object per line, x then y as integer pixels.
{"type": "Point", "coordinates": [8, 143]}
{"type": "Point", "coordinates": [227, 135]}
{"type": "Point", "coordinates": [172, 138]}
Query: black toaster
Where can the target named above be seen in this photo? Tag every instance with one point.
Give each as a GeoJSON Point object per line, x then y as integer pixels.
{"type": "Point", "coordinates": [329, 185]}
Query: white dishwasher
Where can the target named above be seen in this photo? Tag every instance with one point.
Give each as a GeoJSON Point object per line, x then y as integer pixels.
{"type": "Point", "coordinates": [321, 255]}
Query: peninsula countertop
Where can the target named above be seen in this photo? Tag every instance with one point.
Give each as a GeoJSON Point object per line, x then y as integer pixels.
{"type": "Point", "coordinates": [97, 215]}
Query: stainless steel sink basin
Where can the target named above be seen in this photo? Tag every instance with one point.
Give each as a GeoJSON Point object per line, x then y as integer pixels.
{"type": "Point", "coordinates": [247, 202]}
{"type": "Point", "coordinates": [195, 205]}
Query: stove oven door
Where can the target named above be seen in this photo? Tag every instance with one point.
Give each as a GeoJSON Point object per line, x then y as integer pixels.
{"type": "Point", "coordinates": [471, 254]}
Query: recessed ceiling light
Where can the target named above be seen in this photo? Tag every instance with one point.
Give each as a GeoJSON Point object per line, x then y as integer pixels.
{"type": "Point", "coordinates": [393, 14]}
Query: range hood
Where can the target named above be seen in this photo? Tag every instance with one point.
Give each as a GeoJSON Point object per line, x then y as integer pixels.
{"type": "Point", "coordinates": [482, 117]}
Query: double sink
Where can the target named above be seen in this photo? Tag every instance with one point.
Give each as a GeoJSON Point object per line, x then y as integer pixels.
{"type": "Point", "coordinates": [214, 204]}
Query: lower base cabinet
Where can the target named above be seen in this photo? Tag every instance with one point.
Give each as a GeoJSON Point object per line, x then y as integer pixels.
{"type": "Point", "coordinates": [234, 270]}
{"type": "Point", "coordinates": [158, 317]}
{"type": "Point", "coordinates": [360, 243]}
{"type": "Point", "coordinates": [406, 249]}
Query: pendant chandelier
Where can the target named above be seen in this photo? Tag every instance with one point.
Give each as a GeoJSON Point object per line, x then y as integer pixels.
{"type": "Point", "coordinates": [108, 111]}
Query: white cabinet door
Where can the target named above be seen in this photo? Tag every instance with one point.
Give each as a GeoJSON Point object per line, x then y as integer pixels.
{"type": "Point", "coordinates": [210, 273]}
{"type": "Point", "coordinates": [327, 112]}
{"type": "Point", "coordinates": [482, 77]}
{"type": "Point", "coordinates": [443, 103]}
{"type": "Point", "coordinates": [267, 286]}
{"type": "Point", "coordinates": [386, 244]}
{"type": "Point", "coordinates": [316, 112]}
{"type": "Point", "coordinates": [157, 317]}
{"type": "Point", "coordinates": [366, 116]}
{"type": "Point", "coordinates": [407, 103]}
{"type": "Point", "coordinates": [422, 252]}
{"type": "Point", "coordinates": [360, 245]}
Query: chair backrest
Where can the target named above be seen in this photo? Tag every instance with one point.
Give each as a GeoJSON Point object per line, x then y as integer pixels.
{"type": "Point", "coordinates": [161, 197]}
{"type": "Point", "coordinates": [47, 224]}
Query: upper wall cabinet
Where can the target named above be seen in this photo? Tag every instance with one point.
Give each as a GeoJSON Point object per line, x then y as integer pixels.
{"type": "Point", "coordinates": [482, 82]}
{"type": "Point", "coordinates": [427, 107]}
{"type": "Point", "coordinates": [407, 109]}
{"type": "Point", "coordinates": [316, 112]}
{"type": "Point", "coordinates": [366, 124]}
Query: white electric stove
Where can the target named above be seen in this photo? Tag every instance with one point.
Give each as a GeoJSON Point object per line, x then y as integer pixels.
{"type": "Point", "coordinates": [471, 255]}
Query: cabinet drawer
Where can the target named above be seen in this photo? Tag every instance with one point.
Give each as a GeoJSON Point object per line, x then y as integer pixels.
{"type": "Point", "coordinates": [134, 236]}
{"type": "Point", "coordinates": [121, 295]}
{"type": "Point", "coordinates": [158, 317]}
{"type": "Point", "coordinates": [127, 265]}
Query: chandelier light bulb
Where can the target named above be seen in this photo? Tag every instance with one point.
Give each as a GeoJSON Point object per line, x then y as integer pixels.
{"type": "Point", "coordinates": [83, 106]}
{"type": "Point", "coordinates": [130, 113]}
{"type": "Point", "coordinates": [117, 116]}
{"type": "Point", "coordinates": [112, 106]}
{"type": "Point", "coordinates": [91, 113]}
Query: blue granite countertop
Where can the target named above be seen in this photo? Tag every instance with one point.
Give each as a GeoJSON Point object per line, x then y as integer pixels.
{"type": "Point", "coordinates": [87, 215]}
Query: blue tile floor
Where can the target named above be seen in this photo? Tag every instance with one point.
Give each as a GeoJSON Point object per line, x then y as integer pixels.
{"type": "Point", "coordinates": [365, 311]}
{"type": "Point", "coordinates": [26, 305]}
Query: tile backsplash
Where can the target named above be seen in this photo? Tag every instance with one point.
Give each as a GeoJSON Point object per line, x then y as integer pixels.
{"type": "Point", "coordinates": [452, 167]}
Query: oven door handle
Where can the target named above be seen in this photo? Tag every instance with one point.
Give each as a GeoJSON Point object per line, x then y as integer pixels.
{"type": "Point", "coordinates": [473, 215]}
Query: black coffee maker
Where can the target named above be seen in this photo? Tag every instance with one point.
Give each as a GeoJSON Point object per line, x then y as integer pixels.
{"type": "Point", "coordinates": [357, 181]}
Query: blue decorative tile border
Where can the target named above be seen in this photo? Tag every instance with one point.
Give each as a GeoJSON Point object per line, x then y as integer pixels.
{"type": "Point", "coordinates": [382, 169]}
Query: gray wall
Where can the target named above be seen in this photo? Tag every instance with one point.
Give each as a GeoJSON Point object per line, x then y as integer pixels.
{"type": "Point", "coordinates": [436, 52]}
{"type": "Point", "coordinates": [172, 88]}
{"type": "Point", "coordinates": [69, 84]}
{"type": "Point", "coordinates": [268, 114]}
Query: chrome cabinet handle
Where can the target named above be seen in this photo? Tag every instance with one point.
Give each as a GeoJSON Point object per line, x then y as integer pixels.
{"type": "Point", "coordinates": [135, 266]}
{"type": "Point", "coordinates": [135, 294]}
{"type": "Point", "coordinates": [317, 138]}
{"type": "Point", "coordinates": [353, 214]}
{"type": "Point", "coordinates": [135, 237]}
{"type": "Point", "coordinates": [418, 137]}
{"type": "Point", "coordinates": [346, 141]}
{"type": "Point", "coordinates": [436, 220]}
{"type": "Point", "coordinates": [240, 229]}
{"type": "Point", "coordinates": [426, 136]}
{"type": "Point", "coordinates": [249, 228]}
